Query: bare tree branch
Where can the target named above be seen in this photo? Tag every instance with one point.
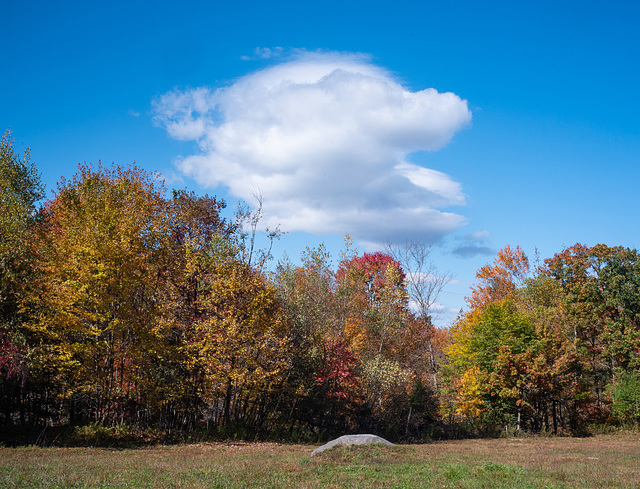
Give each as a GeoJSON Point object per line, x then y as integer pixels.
{"type": "Point", "coordinates": [424, 285]}
{"type": "Point", "coordinates": [247, 218]}
{"type": "Point", "coordinates": [424, 280]}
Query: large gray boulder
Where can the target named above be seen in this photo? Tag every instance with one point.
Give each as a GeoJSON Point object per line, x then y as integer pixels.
{"type": "Point", "coordinates": [352, 440]}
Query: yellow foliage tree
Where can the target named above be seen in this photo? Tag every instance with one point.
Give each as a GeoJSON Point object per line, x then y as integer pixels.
{"type": "Point", "coordinates": [97, 327]}
{"type": "Point", "coordinates": [239, 343]}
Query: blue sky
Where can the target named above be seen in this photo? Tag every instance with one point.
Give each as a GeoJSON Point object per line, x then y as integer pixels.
{"type": "Point", "coordinates": [327, 109]}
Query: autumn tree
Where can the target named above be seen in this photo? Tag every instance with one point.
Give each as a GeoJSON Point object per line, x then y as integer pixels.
{"type": "Point", "coordinates": [239, 342]}
{"type": "Point", "coordinates": [322, 377]}
{"type": "Point", "coordinates": [374, 287]}
{"type": "Point", "coordinates": [583, 306]}
{"type": "Point", "coordinates": [98, 325]}
{"type": "Point", "coordinates": [195, 226]}
{"type": "Point", "coordinates": [599, 289]}
{"type": "Point", "coordinates": [20, 191]}
{"type": "Point", "coordinates": [556, 394]}
{"type": "Point", "coordinates": [355, 340]}
{"type": "Point", "coordinates": [489, 350]}
{"type": "Point", "coordinates": [502, 279]}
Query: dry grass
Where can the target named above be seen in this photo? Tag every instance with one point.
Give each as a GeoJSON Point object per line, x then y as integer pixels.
{"type": "Point", "coordinates": [597, 462]}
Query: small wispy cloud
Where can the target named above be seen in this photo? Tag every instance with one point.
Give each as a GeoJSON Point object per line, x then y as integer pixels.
{"type": "Point", "coordinates": [470, 251]}
{"type": "Point", "coordinates": [133, 113]}
{"type": "Point", "coordinates": [326, 138]}
{"type": "Point", "coordinates": [264, 53]}
{"type": "Point", "coordinates": [474, 244]}
{"type": "Point", "coordinates": [477, 236]}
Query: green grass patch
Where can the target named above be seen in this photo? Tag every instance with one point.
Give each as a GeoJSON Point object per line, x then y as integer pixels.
{"type": "Point", "coordinates": [603, 461]}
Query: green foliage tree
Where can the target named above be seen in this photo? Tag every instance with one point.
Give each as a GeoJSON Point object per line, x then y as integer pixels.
{"type": "Point", "coordinates": [626, 397]}
{"type": "Point", "coordinates": [495, 363]}
{"type": "Point", "coordinates": [20, 191]}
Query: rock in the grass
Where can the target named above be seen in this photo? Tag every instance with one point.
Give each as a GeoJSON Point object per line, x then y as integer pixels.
{"type": "Point", "coordinates": [352, 440]}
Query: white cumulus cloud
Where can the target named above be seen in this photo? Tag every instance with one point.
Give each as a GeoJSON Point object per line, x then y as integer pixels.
{"type": "Point", "coordinates": [325, 138]}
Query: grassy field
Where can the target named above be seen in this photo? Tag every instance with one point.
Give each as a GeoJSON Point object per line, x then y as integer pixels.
{"type": "Point", "coordinates": [596, 462]}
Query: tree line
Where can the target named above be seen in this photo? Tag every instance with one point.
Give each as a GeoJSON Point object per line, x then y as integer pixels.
{"type": "Point", "coordinates": [124, 304]}
{"type": "Point", "coordinates": [556, 349]}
